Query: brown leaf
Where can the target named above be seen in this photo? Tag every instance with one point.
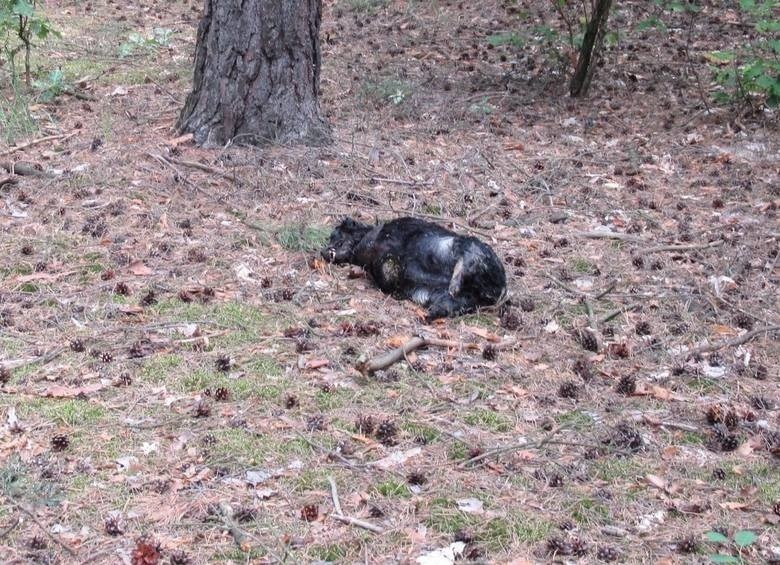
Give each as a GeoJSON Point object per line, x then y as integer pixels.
{"type": "Point", "coordinates": [656, 481]}
{"type": "Point", "coordinates": [139, 269]}
{"type": "Point", "coordinates": [316, 363]}
{"type": "Point", "coordinates": [60, 391]}
{"type": "Point", "coordinates": [396, 341]}
{"type": "Point", "coordinates": [483, 333]}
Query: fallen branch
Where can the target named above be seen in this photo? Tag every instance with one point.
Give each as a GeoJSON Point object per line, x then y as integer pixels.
{"type": "Point", "coordinates": [7, 180]}
{"type": "Point", "coordinates": [609, 235]}
{"type": "Point", "coordinates": [43, 359]}
{"type": "Point", "coordinates": [394, 356]}
{"type": "Point", "coordinates": [21, 169]}
{"type": "Point", "coordinates": [359, 523]}
{"type": "Point", "coordinates": [692, 247]}
{"type": "Point", "coordinates": [615, 313]}
{"type": "Point", "coordinates": [401, 181]}
{"type": "Point", "coordinates": [199, 166]}
{"type": "Point", "coordinates": [339, 514]}
{"type": "Point", "coordinates": [734, 342]}
{"type": "Point", "coordinates": [35, 142]}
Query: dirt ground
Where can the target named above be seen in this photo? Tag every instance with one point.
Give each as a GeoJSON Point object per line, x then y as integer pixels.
{"type": "Point", "coordinates": [180, 373]}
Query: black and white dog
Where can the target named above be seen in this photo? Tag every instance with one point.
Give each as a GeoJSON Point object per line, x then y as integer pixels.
{"type": "Point", "coordinates": [447, 273]}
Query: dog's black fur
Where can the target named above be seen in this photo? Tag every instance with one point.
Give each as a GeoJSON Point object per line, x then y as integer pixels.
{"type": "Point", "coordinates": [447, 273]}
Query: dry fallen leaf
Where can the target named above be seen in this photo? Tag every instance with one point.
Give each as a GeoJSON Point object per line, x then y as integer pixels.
{"type": "Point", "coordinates": [60, 391]}
{"type": "Point", "coordinates": [396, 341]}
{"type": "Point", "coordinates": [397, 458]}
{"type": "Point", "coordinates": [138, 269]}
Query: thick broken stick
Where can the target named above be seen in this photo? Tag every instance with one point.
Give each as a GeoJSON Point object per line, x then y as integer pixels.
{"type": "Point", "coordinates": [17, 168]}
{"type": "Point", "coordinates": [734, 342]}
{"type": "Point", "coordinates": [392, 357]}
{"type": "Point", "coordinates": [35, 142]}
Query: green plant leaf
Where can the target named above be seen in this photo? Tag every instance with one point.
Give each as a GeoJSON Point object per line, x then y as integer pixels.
{"type": "Point", "coordinates": [23, 8]}
{"type": "Point", "coordinates": [716, 537]}
{"type": "Point", "coordinates": [721, 558]}
{"type": "Point", "coordinates": [744, 538]}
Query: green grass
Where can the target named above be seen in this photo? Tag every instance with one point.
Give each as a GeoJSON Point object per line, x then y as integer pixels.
{"type": "Point", "coordinates": [366, 6]}
{"type": "Point", "coordinates": [421, 432]}
{"type": "Point", "coordinates": [161, 368]}
{"type": "Point", "coordinates": [763, 476]}
{"type": "Point", "coordinates": [15, 120]}
{"type": "Point", "coordinates": [575, 420]}
{"type": "Point", "coordinates": [299, 237]}
{"type": "Point", "coordinates": [391, 488]}
{"type": "Point", "coordinates": [458, 451]}
{"type": "Point", "coordinates": [245, 323]}
{"type": "Point", "coordinates": [489, 420]}
{"type": "Point", "coordinates": [444, 517]}
{"type": "Point", "coordinates": [390, 91]}
{"type": "Point", "coordinates": [238, 448]}
{"type": "Point", "coordinates": [328, 553]}
{"type": "Point", "coordinates": [70, 412]}
{"type": "Point", "coordinates": [588, 511]}
{"type": "Point", "coordinates": [582, 266]}
{"type": "Point", "coordinates": [498, 533]}
{"type": "Point", "coordinates": [618, 469]}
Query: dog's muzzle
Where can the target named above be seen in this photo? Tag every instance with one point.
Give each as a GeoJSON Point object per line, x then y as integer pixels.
{"type": "Point", "coordinates": [329, 254]}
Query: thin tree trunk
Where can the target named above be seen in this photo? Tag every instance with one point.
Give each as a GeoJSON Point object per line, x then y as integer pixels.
{"type": "Point", "coordinates": [257, 71]}
{"type": "Point", "coordinates": [591, 48]}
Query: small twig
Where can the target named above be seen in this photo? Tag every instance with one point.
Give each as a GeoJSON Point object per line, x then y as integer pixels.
{"type": "Point", "coordinates": [334, 493]}
{"type": "Point", "coordinates": [341, 517]}
{"type": "Point", "coordinates": [10, 528]}
{"type": "Point", "coordinates": [204, 168]}
{"type": "Point", "coordinates": [42, 359]}
{"type": "Point", "coordinates": [566, 287]}
{"type": "Point", "coordinates": [153, 425]}
{"type": "Point", "coordinates": [7, 180]}
{"type": "Point", "coordinates": [734, 342]}
{"type": "Point", "coordinates": [45, 530]}
{"type": "Point", "coordinates": [35, 142]}
{"type": "Point", "coordinates": [606, 291]}
{"type": "Point", "coordinates": [359, 523]}
{"type": "Point", "coordinates": [401, 181]}
{"type": "Point", "coordinates": [331, 454]}
{"type": "Point", "coordinates": [615, 313]}
{"type": "Point", "coordinates": [593, 323]}
{"type": "Point", "coordinates": [692, 247]}
{"type": "Point", "coordinates": [608, 235]}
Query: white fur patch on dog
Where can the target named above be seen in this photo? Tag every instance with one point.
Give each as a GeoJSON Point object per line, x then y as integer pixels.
{"type": "Point", "coordinates": [444, 246]}
{"type": "Point", "coordinates": [421, 296]}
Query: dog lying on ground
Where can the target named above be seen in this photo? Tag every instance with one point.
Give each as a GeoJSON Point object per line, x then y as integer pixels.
{"type": "Point", "coordinates": [446, 273]}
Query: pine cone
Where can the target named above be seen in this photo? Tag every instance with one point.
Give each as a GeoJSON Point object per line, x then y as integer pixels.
{"type": "Point", "coordinates": [59, 442]}
{"type": "Point", "coordinates": [626, 385]}
{"type": "Point", "coordinates": [386, 432]}
{"type": "Point", "coordinates": [606, 553]}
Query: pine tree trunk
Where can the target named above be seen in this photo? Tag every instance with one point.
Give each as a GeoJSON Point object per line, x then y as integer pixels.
{"type": "Point", "coordinates": [591, 48]}
{"type": "Point", "coordinates": [257, 71]}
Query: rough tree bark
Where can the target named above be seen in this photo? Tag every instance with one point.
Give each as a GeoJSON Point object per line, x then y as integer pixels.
{"type": "Point", "coordinates": [257, 73]}
{"type": "Point", "coordinates": [591, 48]}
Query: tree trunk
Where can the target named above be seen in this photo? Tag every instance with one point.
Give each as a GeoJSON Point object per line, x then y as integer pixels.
{"type": "Point", "coordinates": [257, 73]}
{"type": "Point", "coordinates": [591, 49]}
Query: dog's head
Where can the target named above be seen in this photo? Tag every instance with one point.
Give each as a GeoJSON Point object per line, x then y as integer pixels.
{"type": "Point", "coordinates": [343, 240]}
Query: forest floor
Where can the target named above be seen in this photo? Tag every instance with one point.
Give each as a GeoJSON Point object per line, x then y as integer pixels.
{"type": "Point", "coordinates": [180, 372]}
